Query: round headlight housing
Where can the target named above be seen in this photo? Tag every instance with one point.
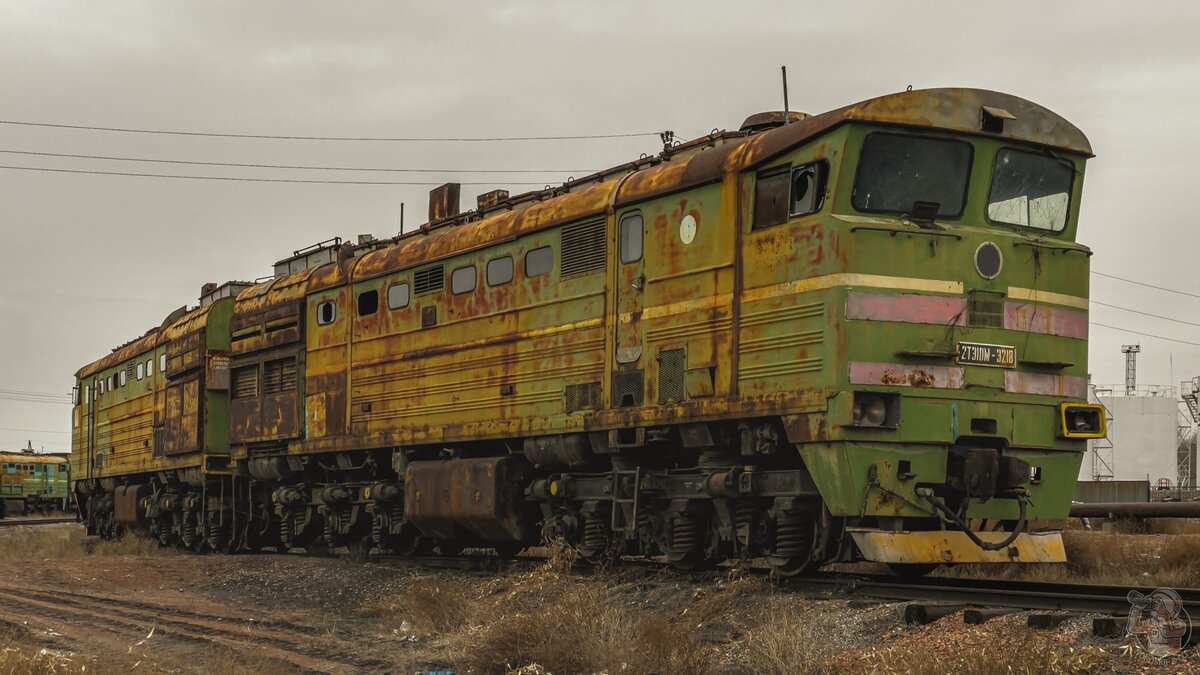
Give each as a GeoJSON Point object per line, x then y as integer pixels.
{"type": "Point", "coordinates": [870, 410]}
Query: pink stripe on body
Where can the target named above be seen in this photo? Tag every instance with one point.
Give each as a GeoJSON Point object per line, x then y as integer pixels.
{"type": "Point", "coordinates": [897, 375]}
{"type": "Point", "coordinates": [906, 308]}
{"type": "Point", "coordinates": [1045, 384]}
{"type": "Point", "coordinates": [1031, 318]}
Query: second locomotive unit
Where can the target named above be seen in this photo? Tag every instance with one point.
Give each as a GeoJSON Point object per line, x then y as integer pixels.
{"type": "Point", "coordinates": [854, 335]}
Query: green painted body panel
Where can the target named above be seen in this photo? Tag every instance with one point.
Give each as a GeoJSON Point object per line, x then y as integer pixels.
{"type": "Point", "coordinates": [857, 473]}
{"type": "Point", "coordinates": [216, 401]}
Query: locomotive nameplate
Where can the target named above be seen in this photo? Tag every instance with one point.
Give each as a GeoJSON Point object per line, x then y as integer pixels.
{"type": "Point", "coordinates": [978, 354]}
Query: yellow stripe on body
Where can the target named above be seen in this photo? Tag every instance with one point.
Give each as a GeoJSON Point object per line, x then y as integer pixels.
{"type": "Point", "coordinates": [1032, 295]}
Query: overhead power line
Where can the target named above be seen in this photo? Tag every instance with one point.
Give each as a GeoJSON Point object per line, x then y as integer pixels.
{"type": "Point", "coordinates": [1156, 316]}
{"type": "Point", "coordinates": [397, 139]}
{"type": "Point", "coordinates": [21, 392]}
{"type": "Point", "coordinates": [1141, 283]}
{"type": "Point", "coordinates": [34, 431]}
{"type": "Point", "coordinates": [1160, 337]}
{"type": "Point", "coordinates": [259, 180]}
{"type": "Point", "coordinates": [33, 400]}
{"type": "Point", "coordinates": [301, 167]}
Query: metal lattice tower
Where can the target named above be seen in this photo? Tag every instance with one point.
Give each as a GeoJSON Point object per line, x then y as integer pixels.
{"type": "Point", "coordinates": [1185, 453]}
{"type": "Point", "coordinates": [1130, 352]}
{"type": "Point", "coordinates": [1100, 450]}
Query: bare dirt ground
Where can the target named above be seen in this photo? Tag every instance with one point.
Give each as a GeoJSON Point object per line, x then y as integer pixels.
{"type": "Point", "coordinates": [70, 606]}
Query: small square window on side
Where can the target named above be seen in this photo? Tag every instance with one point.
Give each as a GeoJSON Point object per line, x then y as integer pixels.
{"type": "Point", "coordinates": [398, 295]}
{"type": "Point", "coordinates": [462, 280]}
{"type": "Point", "coordinates": [368, 302]}
{"type": "Point", "coordinates": [539, 261]}
{"type": "Point", "coordinates": [162, 363]}
{"type": "Point", "coordinates": [121, 378]}
{"type": "Point", "coordinates": [326, 313]}
{"type": "Point", "coordinates": [149, 367]}
{"type": "Point", "coordinates": [500, 271]}
{"type": "Point", "coordinates": [141, 371]}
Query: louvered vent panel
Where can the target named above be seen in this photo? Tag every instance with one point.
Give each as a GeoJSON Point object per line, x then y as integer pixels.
{"type": "Point", "coordinates": [627, 389]}
{"type": "Point", "coordinates": [583, 248]}
{"type": "Point", "coordinates": [288, 377]}
{"type": "Point", "coordinates": [279, 376]}
{"type": "Point", "coordinates": [428, 280]}
{"type": "Point", "coordinates": [985, 311]}
{"type": "Point", "coordinates": [671, 364]}
{"type": "Point", "coordinates": [582, 396]}
{"type": "Point", "coordinates": [245, 382]}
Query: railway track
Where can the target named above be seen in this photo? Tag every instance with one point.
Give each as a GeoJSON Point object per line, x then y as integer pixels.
{"type": "Point", "coordinates": [1087, 598]}
{"type": "Point", "coordinates": [102, 618]}
{"type": "Point", "coordinates": [1024, 595]}
{"type": "Point", "coordinates": [8, 522]}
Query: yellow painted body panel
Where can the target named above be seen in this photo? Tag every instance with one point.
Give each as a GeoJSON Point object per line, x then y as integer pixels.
{"type": "Point", "coordinates": [956, 547]}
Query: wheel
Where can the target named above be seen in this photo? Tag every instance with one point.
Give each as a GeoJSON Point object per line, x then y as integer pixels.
{"type": "Point", "coordinates": [791, 567]}
{"type": "Point", "coordinates": [360, 549]}
{"type": "Point", "coordinates": [912, 570]}
{"type": "Point", "coordinates": [317, 547]}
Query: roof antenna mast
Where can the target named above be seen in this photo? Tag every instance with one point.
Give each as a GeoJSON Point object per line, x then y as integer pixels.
{"type": "Point", "coordinates": [786, 112]}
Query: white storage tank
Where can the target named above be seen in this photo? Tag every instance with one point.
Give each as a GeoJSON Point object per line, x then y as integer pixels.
{"type": "Point", "coordinates": [1143, 431]}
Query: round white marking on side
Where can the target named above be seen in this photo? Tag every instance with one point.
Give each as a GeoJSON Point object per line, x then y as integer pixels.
{"type": "Point", "coordinates": [687, 229]}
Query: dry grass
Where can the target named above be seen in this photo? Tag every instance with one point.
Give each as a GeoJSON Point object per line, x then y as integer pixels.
{"type": "Point", "coordinates": [1033, 654]}
{"type": "Point", "coordinates": [558, 622]}
{"type": "Point", "coordinates": [69, 541]}
{"type": "Point", "coordinates": [784, 643]}
{"type": "Point", "coordinates": [1109, 558]}
{"type": "Point", "coordinates": [20, 660]}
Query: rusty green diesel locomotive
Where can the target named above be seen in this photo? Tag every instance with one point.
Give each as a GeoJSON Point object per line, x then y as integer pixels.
{"type": "Point", "coordinates": [854, 335]}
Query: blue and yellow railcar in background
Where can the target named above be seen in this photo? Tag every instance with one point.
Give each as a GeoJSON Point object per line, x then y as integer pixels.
{"type": "Point", "coordinates": [32, 482]}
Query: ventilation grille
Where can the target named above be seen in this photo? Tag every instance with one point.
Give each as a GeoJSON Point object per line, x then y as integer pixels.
{"type": "Point", "coordinates": [671, 364]}
{"type": "Point", "coordinates": [583, 248]}
{"type": "Point", "coordinates": [985, 311]}
{"type": "Point", "coordinates": [279, 376]}
{"type": "Point", "coordinates": [582, 396]}
{"type": "Point", "coordinates": [245, 382]}
{"type": "Point", "coordinates": [627, 389]}
{"type": "Point", "coordinates": [428, 280]}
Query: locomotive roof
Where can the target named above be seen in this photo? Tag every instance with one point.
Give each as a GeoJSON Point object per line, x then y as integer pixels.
{"type": "Point", "coordinates": [951, 109]}
{"type": "Point", "coordinates": [701, 161]}
{"type": "Point", "coordinates": [173, 328]}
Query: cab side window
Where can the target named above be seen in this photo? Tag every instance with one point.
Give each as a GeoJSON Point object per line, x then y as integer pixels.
{"type": "Point", "coordinates": [783, 193]}
{"type": "Point", "coordinates": [808, 189]}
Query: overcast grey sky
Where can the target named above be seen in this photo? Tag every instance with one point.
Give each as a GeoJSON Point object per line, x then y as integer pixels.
{"type": "Point", "coordinates": [91, 261]}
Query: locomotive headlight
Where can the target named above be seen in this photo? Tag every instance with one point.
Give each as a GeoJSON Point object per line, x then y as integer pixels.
{"type": "Point", "coordinates": [1082, 420]}
{"type": "Point", "coordinates": [875, 410]}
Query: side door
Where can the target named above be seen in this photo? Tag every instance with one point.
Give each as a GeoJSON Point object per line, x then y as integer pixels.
{"type": "Point", "coordinates": [90, 429]}
{"type": "Point", "coordinates": [630, 291]}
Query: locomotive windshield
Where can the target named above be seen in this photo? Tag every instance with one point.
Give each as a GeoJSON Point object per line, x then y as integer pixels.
{"type": "Point", "coordinates": [1030, 190]}
{"type": "Point", "coordinates": [896, 171]}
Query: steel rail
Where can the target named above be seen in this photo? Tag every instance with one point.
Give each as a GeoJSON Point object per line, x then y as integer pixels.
{"type": "Point", "coordinates": [8, 522]}
{"type": "Point", "coordinates": [1045, 596]}
{"type": "Point", "coordinates": [1093, 598]}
